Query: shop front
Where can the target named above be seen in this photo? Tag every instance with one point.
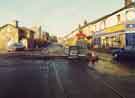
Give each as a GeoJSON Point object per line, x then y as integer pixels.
{"type": "Point", "coordinates": [114, 40]}
{"type": "Point", "coordinates": [97, 42]}
{"type": "Point", "coordinates": [113, 37]}
{"type": "Point", "coordinates": [130, 34]}
{"type": "Point", "coordinates": [130, 39]}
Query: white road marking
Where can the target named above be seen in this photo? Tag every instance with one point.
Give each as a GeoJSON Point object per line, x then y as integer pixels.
{"type": "Point", "coordinates": [58, 78]}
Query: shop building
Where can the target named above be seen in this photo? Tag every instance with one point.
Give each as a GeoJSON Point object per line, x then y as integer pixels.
{"type": "Point", "coordinates": [116, 29]}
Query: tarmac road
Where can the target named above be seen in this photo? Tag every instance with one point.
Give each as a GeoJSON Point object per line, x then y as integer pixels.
{"type": "Point", "coordinates": [54, 78]}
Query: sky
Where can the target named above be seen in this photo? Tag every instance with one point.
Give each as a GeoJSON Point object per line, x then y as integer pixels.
{"type": "Point", "coordinates": [59, 17]}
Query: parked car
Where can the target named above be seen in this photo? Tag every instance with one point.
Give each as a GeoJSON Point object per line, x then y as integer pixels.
{"type": "Point", "coordinates": [16, 47]}
{"type": "Point", "coordinates": [124, 53]}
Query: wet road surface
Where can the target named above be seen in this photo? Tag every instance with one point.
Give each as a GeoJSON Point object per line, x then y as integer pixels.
{"type": "Point", "coordinates": [54, 78]}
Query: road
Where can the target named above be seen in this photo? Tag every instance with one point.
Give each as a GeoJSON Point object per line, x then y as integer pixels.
{"type": "Point", "coordinates": [31, 75]}
{"type": "Point", "coordinates": [53, 78]}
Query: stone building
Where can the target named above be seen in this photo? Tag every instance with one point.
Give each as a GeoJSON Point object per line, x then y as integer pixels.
{"type": "Point", "coordinates": [13, 33]}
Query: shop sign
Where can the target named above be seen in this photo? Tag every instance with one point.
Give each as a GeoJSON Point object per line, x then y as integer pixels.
{"type": "Point", "coordinates": [116, 28]}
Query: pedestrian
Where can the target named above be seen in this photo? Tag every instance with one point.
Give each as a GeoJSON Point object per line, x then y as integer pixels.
{"type": "Point", "coordinates": [91, 65]}
{"type": "Point", "coordinates": [93, 60]}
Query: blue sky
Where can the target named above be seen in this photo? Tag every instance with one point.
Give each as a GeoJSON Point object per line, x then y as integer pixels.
{"type": "Point", "coordinates": [56, 16]}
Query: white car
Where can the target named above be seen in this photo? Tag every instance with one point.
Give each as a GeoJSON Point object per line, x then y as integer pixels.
{"type": "Point", "coordinates": [73, 52]}
{"type": "Point", "coordinates": [76, 52]}
{"type": "Point", "coordinates": [16, 47]}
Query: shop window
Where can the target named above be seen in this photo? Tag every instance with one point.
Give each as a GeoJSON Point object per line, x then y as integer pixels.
{"type": "Point", "coordinates": [130, 39]}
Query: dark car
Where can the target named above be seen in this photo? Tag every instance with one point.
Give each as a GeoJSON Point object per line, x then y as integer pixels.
{"type": "Point", "coordinates": [124, 53]}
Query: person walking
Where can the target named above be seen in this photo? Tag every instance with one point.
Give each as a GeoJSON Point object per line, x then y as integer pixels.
{"type": "Point", "coordinates": [93, 59]}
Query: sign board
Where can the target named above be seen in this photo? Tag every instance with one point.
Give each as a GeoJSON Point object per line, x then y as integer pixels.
{"type": "Point", "coordinates": [115, 28]}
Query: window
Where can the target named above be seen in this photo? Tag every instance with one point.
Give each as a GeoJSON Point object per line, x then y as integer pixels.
{"type": "Point", "coordinates": [130, 15]}
{"type": "Point", "coordinates": [118, 18]}
{"type": "Point", "coordinates": [130, 39]}
{"type": "Point", "coordinates": [102, 25]}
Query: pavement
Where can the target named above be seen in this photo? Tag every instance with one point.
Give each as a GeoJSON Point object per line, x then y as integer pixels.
{"type": "Point", "coordinates": [106, 65]}
{"type": "Point", "coordinates": [112, 68]}
{"type": "Point", "coordinates": [104, 56]}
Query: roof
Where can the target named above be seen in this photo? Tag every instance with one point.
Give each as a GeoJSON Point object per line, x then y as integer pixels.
{"type": "Point", "coordinates": [7, 25]}
{"type": "Point", "coordinates": [26, 29]}
{"type": "Point", "coordinates": [113, 13]}
{"type": "Point", "coordinates": [20, 28]}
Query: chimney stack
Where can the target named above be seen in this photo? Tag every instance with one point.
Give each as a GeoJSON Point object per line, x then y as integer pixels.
{"type": "Point", "coordinates": [15, 23]}
{"type": "Point", "coordinates": [127, 2]}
